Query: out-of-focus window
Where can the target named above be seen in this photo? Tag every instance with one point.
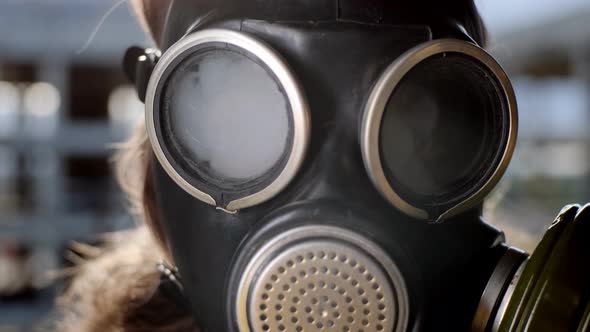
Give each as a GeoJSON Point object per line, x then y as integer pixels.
{"type": "Point", "coordinates": [8, 166]}
{"type": "Point", "coordinates": [125, 109]}
{"type": "Point", "coordinates": [41, 101]}
{"type": "Point", "coordinates": [10, 101]}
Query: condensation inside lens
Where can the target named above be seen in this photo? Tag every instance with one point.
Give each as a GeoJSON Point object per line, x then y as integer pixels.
{"type": "Point", "coordinates": [229, 116]}
{"type": "Point", "coordinates": [442, 129]}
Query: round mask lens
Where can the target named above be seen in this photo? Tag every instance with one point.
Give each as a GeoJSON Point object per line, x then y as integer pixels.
{"type": "Point", "coordinates": [444, 131]}
{"type": "Point", "coordinates": [441, 128]}
{"type": "Point", "coordinates": [226, 119]}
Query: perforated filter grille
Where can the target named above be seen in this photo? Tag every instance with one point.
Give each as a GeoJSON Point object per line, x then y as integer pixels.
{"type": "Point", "coordinates": [322, 285]}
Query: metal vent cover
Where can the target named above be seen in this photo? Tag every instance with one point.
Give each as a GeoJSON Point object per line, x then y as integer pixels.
{"type": "Point", "coordinates": [320, 278]}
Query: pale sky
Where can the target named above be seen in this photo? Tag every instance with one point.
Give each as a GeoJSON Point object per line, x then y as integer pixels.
{"type": "Point", "coordinates": [505, 15]}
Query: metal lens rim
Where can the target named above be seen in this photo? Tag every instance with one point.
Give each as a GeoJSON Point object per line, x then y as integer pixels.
{"type": "Point", "coordinates": [304, 233]}
{"type": "Point", "coordinates": [295, 96]}
{"type": "Point", "coordinates": [377, 103]}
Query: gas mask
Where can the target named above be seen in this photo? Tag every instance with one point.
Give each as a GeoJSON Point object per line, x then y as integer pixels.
{"type": "Point", "coordinates": [321, 166]}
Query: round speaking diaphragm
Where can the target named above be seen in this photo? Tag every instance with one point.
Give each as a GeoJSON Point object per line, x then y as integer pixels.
{"type": "Point", "coordinates": [227, 119]}
{"type": "Point", "coordinates": [439, 129]}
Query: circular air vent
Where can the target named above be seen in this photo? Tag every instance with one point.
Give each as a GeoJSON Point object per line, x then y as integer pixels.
{"type": "Point", "coordinates": [322, 279]}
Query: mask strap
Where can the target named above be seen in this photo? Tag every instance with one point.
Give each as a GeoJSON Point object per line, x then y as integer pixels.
{"type": "Point", "coordinates": [171, 287]}
{"type": "Point", "coordinates": [138, 65]}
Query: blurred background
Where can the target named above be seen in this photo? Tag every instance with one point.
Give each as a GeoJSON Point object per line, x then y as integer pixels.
{"type": "Point", "coordinates": [64, 102]}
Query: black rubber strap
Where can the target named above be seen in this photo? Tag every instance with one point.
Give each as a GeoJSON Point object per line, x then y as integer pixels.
{"type": "Point", "coordinates": [171, 286]}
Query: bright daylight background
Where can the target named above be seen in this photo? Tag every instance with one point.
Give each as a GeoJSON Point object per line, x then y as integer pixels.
{"type": "Point", "coordinates": [63, 102]}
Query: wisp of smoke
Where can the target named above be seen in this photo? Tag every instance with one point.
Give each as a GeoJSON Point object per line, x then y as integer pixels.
{"type": "Point", "coordinates": [118, 4]}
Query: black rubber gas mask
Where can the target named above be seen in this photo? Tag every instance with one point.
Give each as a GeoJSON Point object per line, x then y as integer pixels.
{"type": "Point", "coordinates": [320, 166]}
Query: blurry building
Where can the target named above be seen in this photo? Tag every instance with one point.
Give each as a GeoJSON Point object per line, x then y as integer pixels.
{"type": "Point", "coordinates": [63, 103]}
{"type": "Point", "coordinates": [545, 47]}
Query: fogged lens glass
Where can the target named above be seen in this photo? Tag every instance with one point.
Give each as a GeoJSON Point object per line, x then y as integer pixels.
{"type": "Point", "coordinates": [226, 119]}
{"type": "Point", "coordinates": [443, 130]}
